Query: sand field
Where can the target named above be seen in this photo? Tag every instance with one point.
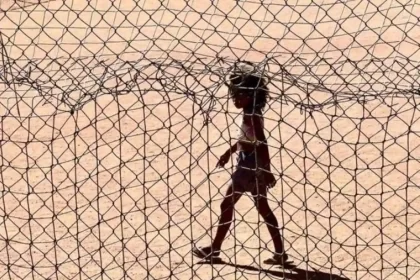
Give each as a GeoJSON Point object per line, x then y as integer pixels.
{"type": "Point", "coordinates": [101, 180]}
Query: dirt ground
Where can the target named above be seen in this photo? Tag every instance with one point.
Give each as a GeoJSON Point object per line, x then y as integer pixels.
{"type": "Point", "coordinates": [123, 187]}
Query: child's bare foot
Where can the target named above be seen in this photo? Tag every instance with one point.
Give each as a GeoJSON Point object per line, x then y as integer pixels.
{"type": "Point", "coordinates": [278, 258]}
{"type": "Point", "coordinates": [205, 252]}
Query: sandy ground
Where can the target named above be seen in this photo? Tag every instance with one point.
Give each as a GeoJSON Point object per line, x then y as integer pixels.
{"type": "Point", "coordinates": [123, 187]}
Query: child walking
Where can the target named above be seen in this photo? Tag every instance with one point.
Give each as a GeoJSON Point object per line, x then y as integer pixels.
{"type": "Point", "coordinates": [253, 173]}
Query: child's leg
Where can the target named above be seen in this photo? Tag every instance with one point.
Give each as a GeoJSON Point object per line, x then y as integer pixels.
{"type": "Point", "coordinates": [226, 217]}
{"type": "Point", "coordinates": [265, 211]}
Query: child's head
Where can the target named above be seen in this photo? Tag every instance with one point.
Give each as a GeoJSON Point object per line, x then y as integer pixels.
{"type": "Point", "coordinates": [247, 89]}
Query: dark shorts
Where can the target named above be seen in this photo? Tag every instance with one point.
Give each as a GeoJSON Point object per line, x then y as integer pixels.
{"type": "Point", "coordinates": [248, 178]}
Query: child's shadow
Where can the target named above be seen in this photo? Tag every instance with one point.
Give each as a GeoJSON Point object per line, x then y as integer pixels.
{"type": "Point", "coordinates": [290, 273]}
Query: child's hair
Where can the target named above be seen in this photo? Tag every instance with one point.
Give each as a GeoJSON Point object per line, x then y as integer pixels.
{"type": "Point", "coordinates": [247, 81]}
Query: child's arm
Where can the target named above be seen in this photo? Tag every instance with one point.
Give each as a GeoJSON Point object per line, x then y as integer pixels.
{"type": "Point", "coordinates": [225, 157]}
{"type": "Point", "coordinates": [232, 149]}
{"type": "Point", "coordinates": [261, 145]}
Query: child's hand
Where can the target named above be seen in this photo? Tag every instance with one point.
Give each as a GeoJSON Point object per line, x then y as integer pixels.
{"type": "Point", "coordinates": [223, 160]}
{"type": "Point", "coordinates": [271, 180]}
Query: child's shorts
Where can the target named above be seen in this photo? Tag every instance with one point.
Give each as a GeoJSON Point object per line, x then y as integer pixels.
{"type": "Point", "coordinates": [246, 178]}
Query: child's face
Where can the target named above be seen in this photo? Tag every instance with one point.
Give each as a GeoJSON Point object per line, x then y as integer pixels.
{"type": "Point", "coordinates": [241, 101]}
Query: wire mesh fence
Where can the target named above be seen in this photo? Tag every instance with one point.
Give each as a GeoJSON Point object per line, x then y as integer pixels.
{"type": "Point", "coordinates": [115, 113]}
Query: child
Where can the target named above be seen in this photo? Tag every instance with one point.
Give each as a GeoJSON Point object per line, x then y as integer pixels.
{"type": "Point", "coordinates": [253, 174]}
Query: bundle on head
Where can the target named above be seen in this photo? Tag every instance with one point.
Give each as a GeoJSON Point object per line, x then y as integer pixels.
{"type": "Point", "coordinates": [245, 80]}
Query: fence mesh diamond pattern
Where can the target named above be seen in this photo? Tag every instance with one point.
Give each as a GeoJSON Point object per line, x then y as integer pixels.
{"type": "Point", "coordinates": [114, 113]}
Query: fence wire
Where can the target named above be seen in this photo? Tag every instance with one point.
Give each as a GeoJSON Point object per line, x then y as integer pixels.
{"type": "Point", "coordinates": [114, 114]}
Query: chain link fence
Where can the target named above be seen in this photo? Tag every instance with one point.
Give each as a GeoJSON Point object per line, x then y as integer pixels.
{"type": "Point", "coordinates": [114, 114]}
